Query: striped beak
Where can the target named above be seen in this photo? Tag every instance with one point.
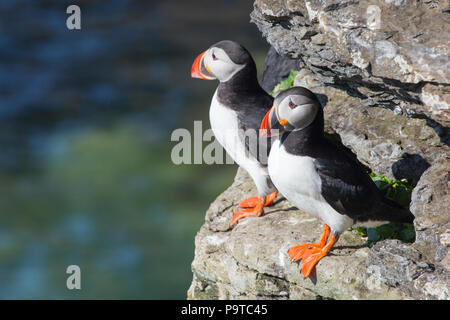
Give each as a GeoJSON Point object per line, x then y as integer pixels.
{"type": "Point", "coordinates": [200, 70]}
{"type": "Point", "coordinates": [270, 125]}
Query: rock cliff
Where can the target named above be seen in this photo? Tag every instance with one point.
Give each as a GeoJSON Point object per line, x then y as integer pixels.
{"type": "Point", "coordinates": [381, 71]}
{"type": "Point", "coordinates": [384, 67]}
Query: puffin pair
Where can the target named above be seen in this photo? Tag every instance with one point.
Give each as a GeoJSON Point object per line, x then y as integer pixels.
{"type": "Point", "coordinates": [307, 169]}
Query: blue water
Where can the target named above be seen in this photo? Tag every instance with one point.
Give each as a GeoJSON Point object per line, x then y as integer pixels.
{"type": "Point", "coordinates": [85, 123]}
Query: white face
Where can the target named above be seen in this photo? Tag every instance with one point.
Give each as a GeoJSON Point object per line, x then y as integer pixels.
{"type": "Point", "coordinates": [297, 110]}
{"type": "Point", "coordinates": [220, 65]}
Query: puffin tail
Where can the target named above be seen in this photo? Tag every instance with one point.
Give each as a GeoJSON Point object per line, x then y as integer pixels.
{"type": "Point", "coordinates": [395, 212]}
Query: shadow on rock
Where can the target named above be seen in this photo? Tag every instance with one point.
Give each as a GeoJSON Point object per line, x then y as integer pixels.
{"type": "Point", "coordinates": [411, 166]}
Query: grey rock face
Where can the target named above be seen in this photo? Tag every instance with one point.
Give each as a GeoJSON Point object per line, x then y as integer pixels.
{"type": "Point", "coordinates": [250, 261]}
{"type": "Point", "coordinates": [389, 143]}
{"type": "Point", "coordinates": [402, 266]}
{"type": "Point", "coordinates": [370, 56]}
{"type": "Point", "coordinates": [430, 206]}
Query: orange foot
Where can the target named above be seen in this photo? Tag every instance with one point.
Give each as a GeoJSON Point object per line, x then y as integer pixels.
{"type": "Point", "coordinates": [311, 253]}
{"type": "Point", "coordinates": [253, 207]}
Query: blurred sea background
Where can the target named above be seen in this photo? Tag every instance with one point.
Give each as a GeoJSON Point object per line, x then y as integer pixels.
{"type": "Point", "coordinates": [85, 122]}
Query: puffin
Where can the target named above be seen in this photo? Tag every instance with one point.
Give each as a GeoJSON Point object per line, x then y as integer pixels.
{"type": "Point", "coordinates": [237, 108]}
{"type": "Point", "coordinates": [319, 178]}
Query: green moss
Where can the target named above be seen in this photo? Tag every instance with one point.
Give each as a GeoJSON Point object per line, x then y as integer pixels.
{"type": "Point", "coordinates": [400, 192]}
{"type": "Point", "coordinates": [401, 231]}
{"type": "Point", "coordinates": [396, 190]}
{"type": "Point", "coordinates": [361, 231]}
{"type": "Point", "coordinates": [285, 83]}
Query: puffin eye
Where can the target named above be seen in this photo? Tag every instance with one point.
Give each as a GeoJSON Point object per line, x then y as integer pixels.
{"type": "Point", "coordinates": [292, 105]}
{"type": "Point", "coordinates": [214, 56]}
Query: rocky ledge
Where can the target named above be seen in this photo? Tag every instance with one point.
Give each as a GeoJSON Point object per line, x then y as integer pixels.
{"type": "Point", "coordinates": [381, 71]}
{"type": "Point", "coordinates": [250, 261]}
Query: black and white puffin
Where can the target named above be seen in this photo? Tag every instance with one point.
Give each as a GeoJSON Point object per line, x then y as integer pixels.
{"type": "Point", "coordinates": [318, 178]}
{"type": "Point", "coordinates": [237, 108]}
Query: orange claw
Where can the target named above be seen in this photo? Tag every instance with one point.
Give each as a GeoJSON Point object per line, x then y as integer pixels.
{"type": "Point", "coordinates": [254, 201]}
{"type": "Point", "coordinates": [270, 198]}
{"type": "Point", "coordinates": [297, 253]}
{"type": "Point", "coordinates": [311, 253]}
{"type": "Point", "coordinates": [254, 207]}
{"type": "Point", "coordinates": [249, 202]}
{"type": "Point", "coordinates": [256, 211]}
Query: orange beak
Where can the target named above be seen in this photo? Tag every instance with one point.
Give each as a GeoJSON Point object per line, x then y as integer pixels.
{"type": "Point", "coordinates": [196, 70]}
{"type": "Point", "coordinates": [265, 124]}
{"type": "Point", "coordinates": [270, 125]}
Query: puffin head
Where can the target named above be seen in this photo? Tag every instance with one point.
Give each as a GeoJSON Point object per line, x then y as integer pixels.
{"type": "Point", "coordinates": [221, 61]}
{"type": "Point", "coordinates": [293, 109]}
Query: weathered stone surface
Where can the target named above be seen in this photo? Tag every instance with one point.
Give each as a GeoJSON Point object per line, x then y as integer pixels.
{"type": "Point", "coordinates": [430, 206]}
{"type": "Point", "coordinates": [389, 143]}
{"type": "Point", "coordinates": [402, 266]}
{"type": "Point", "coordinates": [251, 261]}
{"type": "Point", "coordinates": [402, 40]}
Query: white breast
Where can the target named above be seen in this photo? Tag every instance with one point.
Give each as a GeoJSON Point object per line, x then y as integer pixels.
{"type": "Point", "coordinates": [225, 125]}
{"type": "Point", "coordinates": [298, 181]}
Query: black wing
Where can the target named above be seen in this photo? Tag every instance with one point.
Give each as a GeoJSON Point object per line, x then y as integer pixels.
{"type": "Point", "coordinates": [345, 185]}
